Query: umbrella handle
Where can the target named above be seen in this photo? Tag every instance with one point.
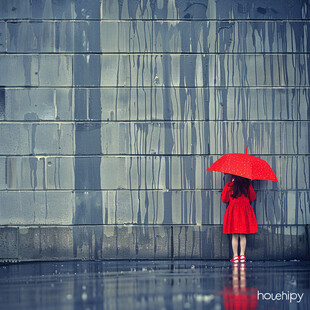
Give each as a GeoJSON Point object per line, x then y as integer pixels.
{"type": "Point", "coordinates": [246, 151]}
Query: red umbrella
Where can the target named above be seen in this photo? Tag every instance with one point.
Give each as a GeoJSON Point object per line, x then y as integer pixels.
{"type": "Point", "coordinates": [244, 165]}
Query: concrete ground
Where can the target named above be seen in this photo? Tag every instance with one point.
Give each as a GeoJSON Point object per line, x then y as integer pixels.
{"type": "Point", "coordinates": [155, 285]}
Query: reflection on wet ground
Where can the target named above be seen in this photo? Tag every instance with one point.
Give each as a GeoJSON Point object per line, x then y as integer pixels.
{"type": "Point", "coordinates": [156, 285]}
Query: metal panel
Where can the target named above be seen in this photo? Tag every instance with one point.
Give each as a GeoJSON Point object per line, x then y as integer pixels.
{"type": "Point", "coordinates": [189, 10]}
{"type": "Point", "coordinates": [148, 104]}
{"type": "Point", "coordinates": [9, 242]}
{"type": "Point", "coordinates": [131, 207]}
{"type": "Point", "coordinates": [55, 70]}
{"type": "Point", "coordinates": [52, 37]}
{"type": "Point", "coordinates": [43, 70]}
{"type": "Point", "coordinates": [45, 243]}
{"type": "Point", "coordinates": [191, 70]}
{"type": "Point", "coordinates": [156, 37]}
{"type": "Point", "coordinates": [36, 208]}
{"type": "Point", "coordinates": [3, 181]}
{"type": "Point", "coordinates": [142, 172]}
{"type": "Point", "coordinates": [119, 242]}
{"type": "Point", "coordinates": [36, 138]}
{"type": "Point", "coordinates": [18, 70]}
{"type": "Point", "coordinates": [39, 172]}
{"type": "Point", "coordinates": [271, 242]}
{"type": "Point", "coordinates": [38, 104]}
{"type": "Point", "coordinates": [111, 112]}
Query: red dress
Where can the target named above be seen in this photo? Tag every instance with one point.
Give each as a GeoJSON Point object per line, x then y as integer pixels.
{"type": "Point", "coordinates": [239, 217]}
{"type": "Point", "coordinates": [240, 298]}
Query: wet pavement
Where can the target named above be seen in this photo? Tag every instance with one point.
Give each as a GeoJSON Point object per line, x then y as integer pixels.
{"type": "Point", "coordinates": [155, 285]}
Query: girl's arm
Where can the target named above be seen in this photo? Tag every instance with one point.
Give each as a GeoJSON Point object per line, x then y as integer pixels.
{"type": "Point", "coordinates": [225, 196]}
{"type": "Point", "coordinates": [252, 194]}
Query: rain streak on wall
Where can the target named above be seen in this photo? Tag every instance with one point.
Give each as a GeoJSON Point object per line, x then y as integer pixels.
{"type": "Point", "coordinates": [111, 111]}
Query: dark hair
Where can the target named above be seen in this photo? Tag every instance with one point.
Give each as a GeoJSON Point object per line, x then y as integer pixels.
{"type": "Point", "coordinates": [241, 186]}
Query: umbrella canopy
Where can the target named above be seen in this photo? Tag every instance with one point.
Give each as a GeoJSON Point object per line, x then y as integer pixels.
{"type": "Point", "coordinates": [244, 165]}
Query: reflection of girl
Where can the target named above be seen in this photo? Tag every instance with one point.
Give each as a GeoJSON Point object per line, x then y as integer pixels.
{"type": "Point", "coordinates": [239, 296]}
{"type": "Point", "coordinates": [239, 218]}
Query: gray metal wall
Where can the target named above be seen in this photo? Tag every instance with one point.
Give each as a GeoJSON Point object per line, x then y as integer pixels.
{"type": "Point", "coordinates": [111, 111]}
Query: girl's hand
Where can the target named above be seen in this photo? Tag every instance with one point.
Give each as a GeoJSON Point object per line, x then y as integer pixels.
{"type": "Point", "coordinates": [233, 179]}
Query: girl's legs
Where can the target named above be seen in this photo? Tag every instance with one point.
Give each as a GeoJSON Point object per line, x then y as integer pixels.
{"type": "Point", "coordinates": [242, 244]}
{"type": "Point", "coordinates": [234, 243]}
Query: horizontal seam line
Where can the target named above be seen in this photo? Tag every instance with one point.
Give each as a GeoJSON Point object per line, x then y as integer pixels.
{"type": "Point", "coordinates": [120, 87]}
{"type": "Point", "coordinates": [144, 155]}
{"type": "Point", "coordinates": [129, 53]}
{"type": "Point", "coordinates": [154, 121]}
{"type": "Point", "coordinates": [142, 190]}
{"type": "Point", "coordinates": [134, 224]}
{"type": "Point", "coordinates": [245, 19]}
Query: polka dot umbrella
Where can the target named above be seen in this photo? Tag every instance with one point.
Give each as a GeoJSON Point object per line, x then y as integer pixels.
{"type": "Point", "coordinates": [244, 165]}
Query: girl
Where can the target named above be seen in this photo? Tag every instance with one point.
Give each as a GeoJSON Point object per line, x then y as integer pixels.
{"type": "Point", "coordinates": [239, 218]}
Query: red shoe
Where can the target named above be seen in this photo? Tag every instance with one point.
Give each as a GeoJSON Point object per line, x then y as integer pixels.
{"type": "Point", "coordinates": [235, 259]}
{"type": "Point", "coordinates": [242, 258]}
